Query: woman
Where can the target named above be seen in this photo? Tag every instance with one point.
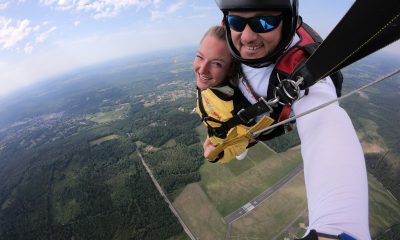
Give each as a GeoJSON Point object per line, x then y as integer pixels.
{"type": "Point", "coordinates": [218, 99]}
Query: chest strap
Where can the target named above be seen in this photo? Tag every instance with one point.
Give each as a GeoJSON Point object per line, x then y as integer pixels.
{"type": "Point", "coordinates": [245, 116]}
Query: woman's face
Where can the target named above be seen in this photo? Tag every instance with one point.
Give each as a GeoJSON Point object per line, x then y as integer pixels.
{"type": "Point", "coordinates": [212, 63]}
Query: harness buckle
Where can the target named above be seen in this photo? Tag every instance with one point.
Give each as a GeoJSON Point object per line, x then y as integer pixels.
{"type": "Point", "coordinates": [246, 120]}
{"type": "Point", "coordinates": [261, 107]}
{"type": "Point", "coordinates": [288, 90]}
{"type": "Point", "coordinates": [269, 103]}
{"type": "Point", "coordinates": [220, 132]}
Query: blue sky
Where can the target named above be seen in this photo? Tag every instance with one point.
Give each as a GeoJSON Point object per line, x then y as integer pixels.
{"type": "Point", "coordinates": [43, 38]}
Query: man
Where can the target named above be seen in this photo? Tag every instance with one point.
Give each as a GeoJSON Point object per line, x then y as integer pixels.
{"type": "Point", "coordinates": [260, 34]}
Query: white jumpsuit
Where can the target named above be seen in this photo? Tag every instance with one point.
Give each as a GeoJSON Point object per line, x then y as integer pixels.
{"type": "Point", "coordinates": [334, 164]}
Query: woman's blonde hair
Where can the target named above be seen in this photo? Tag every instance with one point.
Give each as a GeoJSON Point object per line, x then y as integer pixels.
{"type": "Point", "coordinates": [218, 32]}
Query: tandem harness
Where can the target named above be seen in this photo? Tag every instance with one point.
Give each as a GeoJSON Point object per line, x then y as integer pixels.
{"type": "Point", "coordinates": [278, 108]}
{"type": "Point", "coordinates": [230, 117]}
{"type": "Point", "coordinates": [216, 106]}
{"type": "Point", "coordinates": [383, 23]}
{"type": "Point", "coordinates": [306, 63]}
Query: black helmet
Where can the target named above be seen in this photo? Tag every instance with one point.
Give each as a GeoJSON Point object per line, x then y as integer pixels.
{"type": "Point", "coordinates": [289, 9]}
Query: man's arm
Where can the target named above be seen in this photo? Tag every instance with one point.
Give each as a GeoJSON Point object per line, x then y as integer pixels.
{"type": "Point", "coordinates": [334, 166]}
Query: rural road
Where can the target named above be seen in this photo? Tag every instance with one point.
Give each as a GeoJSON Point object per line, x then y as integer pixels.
{"type": "Point", "coordinates": [263, 196]}
{"type": "Point", "coordinates": [187, 230]}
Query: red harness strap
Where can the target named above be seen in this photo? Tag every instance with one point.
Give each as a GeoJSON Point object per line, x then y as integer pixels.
{"type": "Point", "coordinates": [285, 113]}
{"type": "Point", "coordinates": [296, 54]}
{"type": "Point", "coordinates": [293, 57]}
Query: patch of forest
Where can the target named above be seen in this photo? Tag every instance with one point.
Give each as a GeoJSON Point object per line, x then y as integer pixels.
{"type": "Point", "coordinates": [70, 189]}
{"type": "Point", "coordinates": [380, 106]}
{"type": "Point", "coordinates": [55, 184]}
{"type": "Point", "coordinates": [177, 164]}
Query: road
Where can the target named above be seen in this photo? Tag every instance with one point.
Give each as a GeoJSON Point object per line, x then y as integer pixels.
{"type": "Point", "coordinates": [262, 197]}
{"type": "Point", "coordinates": [187, 230]}
{"type": "Point", "coordinates": [236, 214]}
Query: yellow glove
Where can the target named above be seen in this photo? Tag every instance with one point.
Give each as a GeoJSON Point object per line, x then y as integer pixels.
{"type": "Point", "coordinates": [236, 141]}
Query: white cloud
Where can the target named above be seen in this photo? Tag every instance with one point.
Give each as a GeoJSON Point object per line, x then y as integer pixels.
{"type": "Point", "coordinates": [98, 8]}
{"type": "Point", "coordinates": [176, 6]}
{"type": "Point", "coordinates": [11, 34]}
{"type": "Point", "coordinates": [48, 2]}
{"type": "Point", "coordinates": [66, 4]}
{"type": "Point", "coordinates": [3, 5]}
{"type": "Point", "coordinates": [156, 14]}
{"type": "Point", "coordinates": [77, 23]}
{"type": "Point", "coordinates": [44, 35]}
{"type": "Point", "coordinates": [156, 3]}
{"type": "Point", "coordinates": [28, 48]}
{"type": "Point", "coordinates": [198, 8]}
{"type": "Point", "coordinates": [36, 28]}
{"type": "Point", "coordinates": [105, 13]}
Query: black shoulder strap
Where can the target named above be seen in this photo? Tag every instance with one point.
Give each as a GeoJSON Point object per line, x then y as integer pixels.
{"type": "Point", "coordinates": [200, 104]}
{"type": "Point", "coordinates": [337, 77]}
{"type": "Point", "coordinates": [309, 43]}
{"type": "Point", "coordinates": [368, 26]}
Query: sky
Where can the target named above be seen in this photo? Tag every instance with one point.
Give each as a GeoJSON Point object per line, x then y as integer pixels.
{"type": "Point", "coordinates": [43, 38]}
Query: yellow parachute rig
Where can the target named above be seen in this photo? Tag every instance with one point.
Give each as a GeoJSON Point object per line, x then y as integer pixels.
{"type": "Point", "coordinates": [217, 107]}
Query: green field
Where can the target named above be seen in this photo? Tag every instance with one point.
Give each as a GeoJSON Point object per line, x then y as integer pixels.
{"type": "Point", "coordinates": [229, 191]}
{"type": "Point", "coordinates": [256, 154]}
{"type": "Point", "coordinates": [109, 116]}
{"type": "Point", "coordinates": [225, 188]}
{"type": "Point", "coordinates": [368, 133]}
{"type": "Point", "coordinates": [231, 185]}
{"type": "Point", "coordinates": [384, 212]}
{"type": "Point", "coordinates": [103, 139]}
{"type": "Point", "coordinates": [384, 208]}
{"type": "Point", "coordinates": [203, 205]}
{"type": "Point", "coordinates": [199, 214]}
{"type": "Point", "coordinates": [273, 215]}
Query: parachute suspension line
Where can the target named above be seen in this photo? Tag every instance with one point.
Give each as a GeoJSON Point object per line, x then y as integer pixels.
{"type": "Point", "coordinates": [362, 45]}
{"type": "Point", "coordinates": [327, 103]}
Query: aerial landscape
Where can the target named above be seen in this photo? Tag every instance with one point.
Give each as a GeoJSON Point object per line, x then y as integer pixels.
{"type": "Point", "coordinates": [100, 134]}
{"type": "Point", "coordinates": [71, 148]}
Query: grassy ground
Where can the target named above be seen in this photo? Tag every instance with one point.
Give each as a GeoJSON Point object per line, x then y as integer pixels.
{"type": "Point", "coordinates": [282, 215]}
{"type": "Point", "coordinates": [182, 236]}
{"type": "Point", "coordinates": [384, 208]}
{"type": "Point", "coordinates": [297, 229]}
{"type": "Point", "coordinates": [384, 212]}
{"type": "Point", "coordinates": [256, 154]}
{"type": "Point", "coordinates": [225, 188]}
{"type": "Point", "coordinates": [274, 214]}
{"type": "Point", "coordinates": [199, 214]}
{"type": "Point", "coordinates": [229, 191]}
{"type": "Point", "coordinates": [109, 116]}
{"type": "Point", "coordinates": [169, 144]}
{"type": "Point", "coordinates": [103, 139]}
{"type": "Point", "coordinates": [369, 136]}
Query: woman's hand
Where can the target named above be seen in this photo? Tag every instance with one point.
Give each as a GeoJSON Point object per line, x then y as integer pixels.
{"type": "Point", "coordinates": [208, 147]}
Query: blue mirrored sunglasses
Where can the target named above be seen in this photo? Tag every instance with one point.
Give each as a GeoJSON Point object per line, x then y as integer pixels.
{"type": "Point", "coordinates": [261, 24]}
